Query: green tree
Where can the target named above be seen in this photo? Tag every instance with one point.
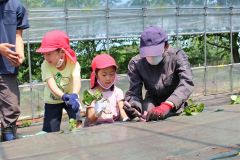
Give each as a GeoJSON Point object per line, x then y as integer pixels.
{"type": "Point", "coordinates": [123, 50]}
{"type": "Point", "coordinates": [86, 50]}
{"type": "Point", "coordinates": [218, 52]}
{"type": "Point", "coordinates": [36, 60]}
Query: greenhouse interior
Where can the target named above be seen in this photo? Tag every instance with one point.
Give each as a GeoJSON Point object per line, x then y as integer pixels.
{"type": "Point", "coordinates": [207, 30]}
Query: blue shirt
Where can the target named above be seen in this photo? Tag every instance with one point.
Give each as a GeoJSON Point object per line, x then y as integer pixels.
{"type": "Point", "coordinates": [13, 16]}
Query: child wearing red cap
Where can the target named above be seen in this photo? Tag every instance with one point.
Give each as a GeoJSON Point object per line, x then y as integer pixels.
{"type": "Point", "coordinates": [61, 72]}
{"type": "Point", "coordinates": [103, 78]}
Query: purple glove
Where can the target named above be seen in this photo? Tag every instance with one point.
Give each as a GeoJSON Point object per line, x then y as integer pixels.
{"type": "Point", "coordinates": [72, 101]}
{"type": "Point", "coordinates": [66, 98]}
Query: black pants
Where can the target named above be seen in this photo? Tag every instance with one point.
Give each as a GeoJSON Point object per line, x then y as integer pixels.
{"type": "Point", "coordinates": [53, 116]}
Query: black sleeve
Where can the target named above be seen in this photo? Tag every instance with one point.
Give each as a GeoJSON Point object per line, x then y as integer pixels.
{"type": "Point", "coordinates": [185, 86]}
{"type": "Point", "coordinates": [135, 89]}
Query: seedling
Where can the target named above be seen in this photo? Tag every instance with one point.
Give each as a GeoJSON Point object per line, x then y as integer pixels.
{"type": "Point", "coordinates": [90, 96]}
{"type": "Point", "coordinates": [235, 99]}
{"type": "Point", "coordinates": [72, 124]}
{"type": "Point", "coordinates": [193, 108]}
{"type": "Point", "coordinates": [25, 123]}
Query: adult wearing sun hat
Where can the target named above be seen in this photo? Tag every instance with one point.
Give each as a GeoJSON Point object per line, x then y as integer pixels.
{"type": "Point", "coordinates": [165, 73]}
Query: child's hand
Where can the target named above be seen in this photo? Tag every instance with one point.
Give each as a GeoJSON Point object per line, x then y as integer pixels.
{"type": "Point", "coordinates": [66, 98]}
{"type": "Point", "coordinates": [99, 107]}
{"type": "Point", "coordinates": [72, 101]}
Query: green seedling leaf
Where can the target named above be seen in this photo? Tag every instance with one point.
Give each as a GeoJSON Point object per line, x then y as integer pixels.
{"type": "Point", "coordinates": [25, 123]}
{"type": "Point", "coordinates": [235, 99]}
{"type": "Point", "coordinates": [200, 107]}
{"type": "Point", "coordinates": [193, 108]}
{"type": "Point", "coordinates": [89, 97]}
{"type": "Point", "coordinates": [98, 95]}
{"type": "Point", "coordinates": [72, 124]}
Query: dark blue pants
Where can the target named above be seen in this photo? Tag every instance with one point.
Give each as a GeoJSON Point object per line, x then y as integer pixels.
{"type": "Point", "coordinates": [53, 116]}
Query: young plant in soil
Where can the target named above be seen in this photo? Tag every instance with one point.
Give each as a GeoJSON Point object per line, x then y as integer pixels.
{"type": "Point", "coordinates": [235, 99]}
{"type": "Point", "coordinates": [25, 123]}
{"type": "Point", "coordinates": [193, 108]}
{"type": "Point", "coordinates": [72, 124]}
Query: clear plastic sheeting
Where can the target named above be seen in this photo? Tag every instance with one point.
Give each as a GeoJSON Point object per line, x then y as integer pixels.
{"type": "Point", "coordinates": [207, 81]}
{"type": "Point", "coordinates": [194, 24]}
{"type": "Point", "coordinates": [130, 27]}
{"type": "Point", "coordinates": [235, 23]}
{"type": "Point", "coordinates": [31, 100]}
{"type": "Point", "coordinates": [101, 19]}
{"type": "Point", "coordinates": [236, 77]}
{"type": "Point", "coordinates": [218, 79]}
{"type": "Point", "coordinates": [218, 23]}
{"type": "Point", "coordinates": [87, 28]}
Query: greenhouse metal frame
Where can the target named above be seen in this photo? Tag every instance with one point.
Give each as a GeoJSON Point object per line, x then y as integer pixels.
{"type": "Point", "coordinates": [114, 19]}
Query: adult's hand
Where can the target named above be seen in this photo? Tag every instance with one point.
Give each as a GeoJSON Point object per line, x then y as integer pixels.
{"type": "Point", "coordinates": [132, 110]}
{"type": "Point", "coordinates": [159, 112]}
{"type": "Point", "coordinates": [11, 56]}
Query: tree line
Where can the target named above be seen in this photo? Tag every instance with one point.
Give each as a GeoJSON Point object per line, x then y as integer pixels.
{"type": "Point", "coordinates": [218, 48]}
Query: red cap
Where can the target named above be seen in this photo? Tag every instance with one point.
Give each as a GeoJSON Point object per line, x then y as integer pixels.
{"type": "Point", "coordinates": [55, 39]}
{"type": "Point", "coordinates": [101, 61]}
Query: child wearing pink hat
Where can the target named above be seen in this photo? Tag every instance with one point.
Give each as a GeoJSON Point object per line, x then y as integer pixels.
{"type": "Point", "coordinates": [103, 78]}
{"type": "Point", "coordinates": [61, 72]}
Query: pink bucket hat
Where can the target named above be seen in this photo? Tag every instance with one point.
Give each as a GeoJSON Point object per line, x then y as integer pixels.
{"type": "Point", "coordinates": [55, 39]}
{"type": "Point", "coordinates": [99, 62]}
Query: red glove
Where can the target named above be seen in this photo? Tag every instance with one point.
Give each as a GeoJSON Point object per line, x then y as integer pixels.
{"type": "Point", "coordinates": [159, 112]}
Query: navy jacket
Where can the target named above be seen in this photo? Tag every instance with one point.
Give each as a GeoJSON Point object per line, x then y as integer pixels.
{"type": "Point", "coordinates": [13, 16]}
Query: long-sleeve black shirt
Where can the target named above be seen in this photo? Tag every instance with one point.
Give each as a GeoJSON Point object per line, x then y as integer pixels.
{"type": "Point", "coordinates": [170, 80]}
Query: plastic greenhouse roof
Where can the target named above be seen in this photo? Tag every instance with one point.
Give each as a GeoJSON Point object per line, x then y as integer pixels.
{"type": "Point", "coordinates": [100, 19]}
